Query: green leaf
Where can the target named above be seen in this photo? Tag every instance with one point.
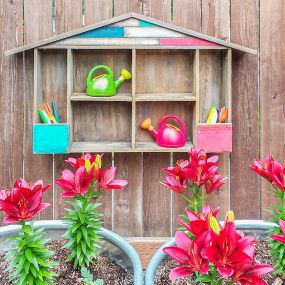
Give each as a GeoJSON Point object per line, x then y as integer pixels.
{"type": "Point", "coordinates": [29, 254]}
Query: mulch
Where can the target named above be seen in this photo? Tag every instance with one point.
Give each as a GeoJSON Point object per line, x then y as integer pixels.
{"type": "Point", "coordinates": [102, 268]}
{"type": "Point", "coordinates": [263, 255]}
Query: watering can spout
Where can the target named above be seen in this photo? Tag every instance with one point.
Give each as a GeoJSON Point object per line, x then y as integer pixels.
{"type": "Point", "coordinates": [125, 74]}
{"type": "Point", "coordinates": [146, 124]}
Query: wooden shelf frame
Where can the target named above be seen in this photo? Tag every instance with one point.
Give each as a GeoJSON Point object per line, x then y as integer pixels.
{"type": "Point", "coordinates": [134, 97]}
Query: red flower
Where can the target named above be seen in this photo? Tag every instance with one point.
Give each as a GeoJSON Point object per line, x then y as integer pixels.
{"type": "Point", "coordinates": [24, 201]}
{"type": "Point", "coordinates": [187, 253]}
{"type": "Point", "coordinates": [198, 223]}
{"type": "Point", "coordinates": [108, 182]}
{"type": "Point", "coordinates": [81, 161]}
{"type": "Point", "coordinates": [74, 184]}
{"type": "Point", "coordinates": [278, 175]}
{"type": "Point", "coordinates": [248, 274]}
{"type": "Point", "coordinates": [263, 168]}
{"type": "Point", "coordinates": [214, 182]}
{"type": "Point", "coordinates": [174, 183]}
{"type": "Point", "coordinates": [280, 238]}
{"type": "Point", "coordinates": [228, 250]}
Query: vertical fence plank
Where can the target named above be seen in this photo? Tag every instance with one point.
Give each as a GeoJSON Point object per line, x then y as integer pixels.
{"type": "Point", "coordinates": [68, 15]}
{"type": "Point", "coordinates": [126, 6]}
{"type": "Point", "coordinates": [244, 183]}
{"type": "Point", "coordinates": [216, 18]}
{"type": "Point", "coordinates": [37, 20]}
{"type": "Point", "coordinates": [158, 9]}
{"type": "Point", "coordinates": [272, 86]}
{"type": "Point", "coordinates": [215, 22]}
{"type": "Point", "coordinates": [187, 13]}
{"type": "Point", "coordinates": [128, 202]}
{"type": "Point", "coordinates": [11, 95]}
{"type": "Point", "coordinates": [97, 11]}
{"type": "Point", "coordinates": [37, 27]}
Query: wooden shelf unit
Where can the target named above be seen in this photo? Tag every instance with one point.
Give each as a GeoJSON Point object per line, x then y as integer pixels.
{"type": "Point", "coordinates": [163, 82]}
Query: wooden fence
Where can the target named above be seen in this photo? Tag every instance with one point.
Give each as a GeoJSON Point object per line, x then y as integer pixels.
{"type": "Point", "coordinates": [146, 208]}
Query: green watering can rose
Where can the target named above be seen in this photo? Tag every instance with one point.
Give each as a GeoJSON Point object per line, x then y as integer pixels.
{"type": "Point", "coordinates": [104, 84]}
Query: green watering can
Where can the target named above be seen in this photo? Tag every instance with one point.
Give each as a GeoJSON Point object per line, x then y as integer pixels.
{"type": "Point", "coordinates": [104, 84]}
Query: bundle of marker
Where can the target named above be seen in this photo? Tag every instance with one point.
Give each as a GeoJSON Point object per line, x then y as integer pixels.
{"type": "Point", "coordinates": [48, 115]}
{"type": "Point", "coordinates": [216, 116]}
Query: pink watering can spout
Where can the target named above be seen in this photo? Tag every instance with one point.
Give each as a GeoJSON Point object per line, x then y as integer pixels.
{"type": "Point", "coordinates": [167, 135]}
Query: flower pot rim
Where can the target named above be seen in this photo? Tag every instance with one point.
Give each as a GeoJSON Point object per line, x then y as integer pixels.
{"type": "Point", "coordinates": [159, 255]}
{"type": "Point", "coordinates": [104, 233]}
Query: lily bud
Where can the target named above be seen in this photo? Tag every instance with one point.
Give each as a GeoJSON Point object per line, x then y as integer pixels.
{"type": "Point", "coordinates": [230, 217]}
{"type": "Point", "coordinates": [214, 225]}
{"type": "Point", "coordinates": [87, 165]}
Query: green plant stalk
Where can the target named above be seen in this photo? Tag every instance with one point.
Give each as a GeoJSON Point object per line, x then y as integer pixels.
{"type": "Point", "coordinates": [30, 260]}
{"type": "Point", "coordinates": [197, 199]}
{"type": "Point", "coordinates": [84, 223]}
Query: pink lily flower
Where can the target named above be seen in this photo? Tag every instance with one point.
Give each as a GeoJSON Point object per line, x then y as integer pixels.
{"type": "Point", "coordinates": [188, 254]}
{"type": "Point", "coordinates": [74, 184]}
{"type": "Point", "coordinates": [248, 274]}
{"type": "Point", "coordinates": [214, 182]}
{"type": "Point", "coordinates": [263, 168]}
{"type": "Point", "coordinates": [107, 180]}
{"type": "Point", "coordinates": [174, 183]}
{"type": "Point", "coordinates": [280, 238]}
{"type": "Point", "coordinates": [199, 223]}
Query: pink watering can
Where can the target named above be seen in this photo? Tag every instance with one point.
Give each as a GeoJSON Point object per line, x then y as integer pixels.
{"type": "Point", "coordinates": [167, 135]}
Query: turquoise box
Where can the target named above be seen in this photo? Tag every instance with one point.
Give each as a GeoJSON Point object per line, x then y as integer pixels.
{"type": "Point", "coordinates": [50, 138]}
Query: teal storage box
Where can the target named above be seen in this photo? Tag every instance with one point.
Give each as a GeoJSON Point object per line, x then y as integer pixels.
{"type": "Point", "coordinates": [50, 138]}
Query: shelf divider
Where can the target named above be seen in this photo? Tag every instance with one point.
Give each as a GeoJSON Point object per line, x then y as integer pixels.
{"type": "Point", "coordinates": [120, 97]}
{"type": "Point", "coordinates": [69, 92]}
{"type": "Point", "coordinates": [165, 97]}
{"type": "Point", "coordinates": [133, 98]}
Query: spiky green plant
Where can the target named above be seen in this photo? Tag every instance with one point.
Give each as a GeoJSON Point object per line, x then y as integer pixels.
{"type": "Point", "coordinates": [84, 223]}
{"type": "Point", "coordinates": [30, 260]}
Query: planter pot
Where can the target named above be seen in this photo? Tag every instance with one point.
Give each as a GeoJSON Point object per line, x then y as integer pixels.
{"type": "Point", "coordinates": [113, 246]}
{"type": "Point", "coordinates": [256, 228]}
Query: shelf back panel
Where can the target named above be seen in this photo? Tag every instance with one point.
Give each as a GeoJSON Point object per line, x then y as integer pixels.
{"type": "Point", "coordinates": [102, 121]}
{"type": "Point", "coordinates": [164, 71]}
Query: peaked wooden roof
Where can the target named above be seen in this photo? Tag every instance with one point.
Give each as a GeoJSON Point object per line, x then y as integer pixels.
{"type": "Point", "coordinates": [114, 20]}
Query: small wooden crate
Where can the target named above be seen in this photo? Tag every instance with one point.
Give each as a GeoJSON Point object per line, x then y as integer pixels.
{"type": "Point", "coordinates": [50, 138]}
{"type": "Point", "coordinates": [214, 137]}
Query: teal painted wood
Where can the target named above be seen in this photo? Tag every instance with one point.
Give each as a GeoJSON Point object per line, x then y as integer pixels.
{"type": "Point", "coordinates": [146, 24]}
{"type": "Point", "coordinates": [105, 32]}
{"type": "Point", "coordinates": [50, 138]}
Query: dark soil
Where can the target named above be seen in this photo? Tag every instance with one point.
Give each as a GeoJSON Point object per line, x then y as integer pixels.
{"type": "Point", "coordinates": [262, 256]}
{"type": "Point", "coordinates": [102, 268]}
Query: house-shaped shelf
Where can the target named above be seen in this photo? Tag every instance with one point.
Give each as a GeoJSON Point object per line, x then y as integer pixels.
{"type": "Point", "coordinates": [174, 71]}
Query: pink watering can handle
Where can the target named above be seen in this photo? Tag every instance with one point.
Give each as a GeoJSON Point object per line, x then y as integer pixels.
{"type": "Point", "coordinates": [162, 122]}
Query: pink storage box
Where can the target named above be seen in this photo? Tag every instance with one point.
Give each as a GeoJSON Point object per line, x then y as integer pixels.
{"type": "Point", "coordinates": [215, 137]}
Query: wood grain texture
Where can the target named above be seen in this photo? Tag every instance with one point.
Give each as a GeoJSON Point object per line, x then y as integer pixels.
{"type": "Point", "coordinates": [126, 6]}
{"type": "Point", "coordinates": [187, 13]}
{"type": "Point", "coordinates": [156, 198]}
{"type": "Point", "coordinates": [173, 68]}
{"type": "Point", "coordinates": [216, 18]}
{"type": "Point", "coordinates": [68, 15]}
{"type": "Point", "coordinates": [128, 211]}
{"type": "Point", "coordinates": [11, 95]}
{"type": "Point", "coordinates": [97, 11]}
{"type": "Point", "coordinates": [245, 184]}
{"type": "Point", "coordinates": [158, 9]}
{"type": "Point", "coordinates": [35, 28]}
{"type": "Point", "coordinates": [39, 25]}
{"type": "Point", "coordinates": [272, 84]}
{"type": "Point", "coordinates": [102, 121]}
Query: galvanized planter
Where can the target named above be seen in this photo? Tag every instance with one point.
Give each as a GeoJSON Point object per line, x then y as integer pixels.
{"type": "Point", "coordinates": [113, 245]}
{"type": "Point", "coordinates": [253, 227]}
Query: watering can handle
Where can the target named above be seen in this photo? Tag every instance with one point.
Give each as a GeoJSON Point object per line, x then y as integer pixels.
{"type": "Point", "coordinates": [164, 119]}
{"type": "Point", "coordinates": [108, 69]}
